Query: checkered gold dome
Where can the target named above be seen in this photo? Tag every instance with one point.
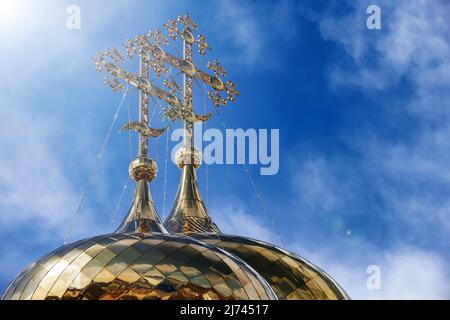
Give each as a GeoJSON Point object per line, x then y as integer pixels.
{"type": "Point", "coordinates": [290, 276]}
{"type": "Point", "coordinates": [139, 261]}
{"type": "Point", "coordinates": [144, 260]}
{"type": "Point", "coordinates": [139, 266]}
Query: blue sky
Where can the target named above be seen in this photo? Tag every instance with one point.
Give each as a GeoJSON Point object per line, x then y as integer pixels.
{"type": "Point", "coordinates": [363, 118]}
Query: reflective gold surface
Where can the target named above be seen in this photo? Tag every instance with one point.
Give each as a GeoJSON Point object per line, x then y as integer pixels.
{"type": "Point", "coordinates": [142, 216]}
{"type": "Point", "coordinates": [290, 276]}
{"type": "Point", "coordinates": [143, 168]}
{"type": "Point", "coordinates": [189, 213]}
{"type": "Point", "coordinates": [138, 266]}
{"type": "Point", "coordinates": [141, 261]}
{"type": "Point", "coordinates": [185, 156]}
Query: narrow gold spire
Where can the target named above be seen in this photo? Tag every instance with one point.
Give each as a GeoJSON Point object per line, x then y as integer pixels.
{"type": "Point", "coordinates": [189, 213]}
{"type": "Point", "coordinates": [142, 216]}
{"type": "Point", "coordinates": [188, 205]}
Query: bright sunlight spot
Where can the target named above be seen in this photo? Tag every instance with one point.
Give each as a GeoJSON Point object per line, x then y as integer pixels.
{"type": "Point", "coordinates": [11, 14]}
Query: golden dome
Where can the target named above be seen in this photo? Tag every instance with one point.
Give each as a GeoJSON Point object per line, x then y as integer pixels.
{"type": "Point", "coordinates": [290, 276]}
{"type": "Point", "coordinates": [140, 261]}
{"type": "Point", "coordinates": [139, 266]}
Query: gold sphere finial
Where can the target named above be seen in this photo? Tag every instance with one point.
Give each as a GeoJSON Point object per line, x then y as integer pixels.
{"type": "Point", "coordinates": [186, 155]}
{"type": "Point", "coordinates": [143, 168]}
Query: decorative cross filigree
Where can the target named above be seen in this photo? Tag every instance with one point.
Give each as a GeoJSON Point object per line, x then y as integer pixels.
{"type": "Point", "coordinates": [172, 85]}
{"type": "Point", "coordinates": [217, 68]}
{"type": "Point", "coordinates": [187, 22]}
{"type": "Point", "coordinates": [201, 43]}
{"type": "Point", "coordinates": [156, 62]}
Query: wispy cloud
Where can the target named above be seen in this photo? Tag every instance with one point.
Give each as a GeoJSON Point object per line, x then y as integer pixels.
{"type": "Point", "coordinates": [413, 43]}
{"type": "Point", "coordinates": [233, 219]}
{"type": "Point", "coordinates": [257, 29]}
{"type": "Point", "coordinates": [405, 273]}
{"type": "Point", "coordinates": [409, 174]}
{"type": "Point", "coordinates": [38, 150]}
{"type": "Point", "coordinates": [400, 185]}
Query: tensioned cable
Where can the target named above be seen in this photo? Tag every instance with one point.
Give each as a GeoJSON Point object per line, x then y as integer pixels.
{"type": "Point", "coordinates": [164, 200]}
{"type": "Point", "coordinates": [151, 116]}
{"type": "Point", "coordinates": [127, 181]}
{"type": "Point", "coordinates": [156, 160]}
{"type": "Point", "coordinates": [258, 195]}
{"type": "Point", "coordinates": [94, 170]}
{"type": "Point", "coordinates": [252, 183]}
{"type": "Point", "coordinates": [130, 138]}
{"type": "Point", "coordinates": [206, 166]}
{"type": "Point", "coordinates": [117, 207]}
{"type": "Point", "coordinates": [157, 106]}
{"type": "Point", "coordinates": [216, 235]}
{"type": "Point", "coordinates": [130, 135]}
{"type": "Point", "coordinates": [165, 176]}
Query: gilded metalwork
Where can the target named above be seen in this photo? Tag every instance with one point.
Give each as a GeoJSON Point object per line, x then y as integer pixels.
{"type": "Point", "coordinates": [141, 260]}
{"type": "Point", "coordinates": [139, 266]}
{"type": "Point", "coordinates": [142, 216]}
{"type": "Point", "coordinates": [189, 213]}
{"type": "Point", "coordinates": [191, 156]}
{"type": "Point", "coordinates": [290, 276]}
{"type": "Point", "coordinates": [143, 168]}
{"type": "Point", "coordinates": [149, 48]}
{"type": "Point", "coordinates": [172, 85]}
{"type": "Point", "coordinates": [143, 129]}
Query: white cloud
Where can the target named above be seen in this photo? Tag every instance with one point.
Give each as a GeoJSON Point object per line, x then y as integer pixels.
{"type": "Point", "coordinates": [32, 180]}
{"type": "Point", "coordinates": [37, 192]}
{"type": "Point", "coordinates": [34, 163]}
{"type": "Point", "coordinates": [332, 193]}
{"type": "Point", "coordinates": [406, 273]}
{"type": "Point", "coordinates": [38, 40]}
{"type": "Point", "coordinates": [402, 184]}
{"type": "Point", "coordinates": [256, 29]}
{"type": "Point", "coordinates": [39, 153]}
{"type": "Point", "coordinates": [414, 45]}
{"type": "Point", "coordinates": [317, 186]}
{"type": "Point", "coordinates": [234, 220]}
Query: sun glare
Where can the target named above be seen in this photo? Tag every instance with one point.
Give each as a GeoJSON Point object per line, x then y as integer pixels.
{"type": "Point", "coordinates": [11, 13]}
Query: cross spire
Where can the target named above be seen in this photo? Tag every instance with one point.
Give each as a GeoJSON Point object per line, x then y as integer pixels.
{"type": "Point", "coordinates": [189, 213]}
{"type": "Point", "coordinates": [142, 216]}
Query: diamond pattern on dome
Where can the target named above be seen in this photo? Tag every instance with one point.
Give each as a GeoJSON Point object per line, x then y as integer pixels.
{"type": "Point", "coordinates": [138, 266]}
{"type": "Point", "coordinates": [190, 225]}
{"type": "Point", "coordinates": [290, 276]}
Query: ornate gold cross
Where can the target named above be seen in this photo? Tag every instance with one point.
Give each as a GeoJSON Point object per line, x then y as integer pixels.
{"type": "Point", "coordinates": [155, 63]}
